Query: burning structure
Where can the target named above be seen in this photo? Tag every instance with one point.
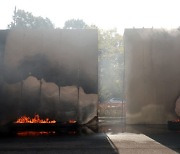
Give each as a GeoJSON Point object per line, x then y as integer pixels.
{"type": "Point", "coordinates": [49, 72]}
{"type": "Point", "coordinates": [36, 119]}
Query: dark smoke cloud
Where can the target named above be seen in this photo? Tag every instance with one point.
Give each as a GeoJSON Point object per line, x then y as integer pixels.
{"type": "Point", "coordinates": [41, 71]}
{"type": "Point", "coordinates": [64, 57]}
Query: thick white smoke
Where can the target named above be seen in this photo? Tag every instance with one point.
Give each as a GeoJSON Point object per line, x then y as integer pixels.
{"type": "Point", "coordinates": [152, 75]}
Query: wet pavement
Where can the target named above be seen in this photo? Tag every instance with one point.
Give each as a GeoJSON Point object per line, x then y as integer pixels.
{"type": "Point", "coordinates": [97, 143]}
{"type": "Point", "coordinates": [110, 137]}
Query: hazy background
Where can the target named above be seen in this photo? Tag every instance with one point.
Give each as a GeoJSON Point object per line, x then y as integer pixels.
{"type": "Point", "coordinates": [109, 17]}
{"type": "Point", "coordinates": [105, 14]}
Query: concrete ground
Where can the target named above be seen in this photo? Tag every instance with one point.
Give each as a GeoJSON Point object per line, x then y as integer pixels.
{"type": "Point", "coordinates": [109, 138]}
{"type": "Point", "coordinates": [129, 143]}
{"type": "Point", "coordinates": [143, 139]}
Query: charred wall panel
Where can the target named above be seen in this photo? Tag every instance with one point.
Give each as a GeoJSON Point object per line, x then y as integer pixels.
{"type": "Point", "coordinates": [50, 72]}
{"type": "Point", "coordinates": [152, 75]}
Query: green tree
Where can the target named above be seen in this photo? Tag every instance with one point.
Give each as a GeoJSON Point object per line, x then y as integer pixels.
{"type": "Point", "coordinates": [111, 64]}
{"type": "Point", "coordinates": [22, 19]}
{"type": "Point", "coordinates": [75, 24]}
{"type": "Point", "coordinates": [110, 42]}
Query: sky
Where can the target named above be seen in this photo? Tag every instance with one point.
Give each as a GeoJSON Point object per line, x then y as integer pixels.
{"type": "Point", "coordinates": [106, 14]}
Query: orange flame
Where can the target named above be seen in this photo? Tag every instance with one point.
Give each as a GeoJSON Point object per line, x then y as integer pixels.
{"type": "Point", "coordinates": [177, 120]}
{"type": "Point", "coordinates": [35, 133]}
{"type": "Point", "coordinates": [72, 121]}
{"type": "Point", "coordinates": [36, 119]}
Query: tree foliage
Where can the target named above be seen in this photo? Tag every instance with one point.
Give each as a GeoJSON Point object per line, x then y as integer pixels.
{"type": "Point", "coordinates": [111, 64]}
{"type": "Point", "coordinates": [75, 24]}
{"type": "Point", "coordinates": [22, 19]}
{"type": "Point", "coordinates": [110, 42]}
